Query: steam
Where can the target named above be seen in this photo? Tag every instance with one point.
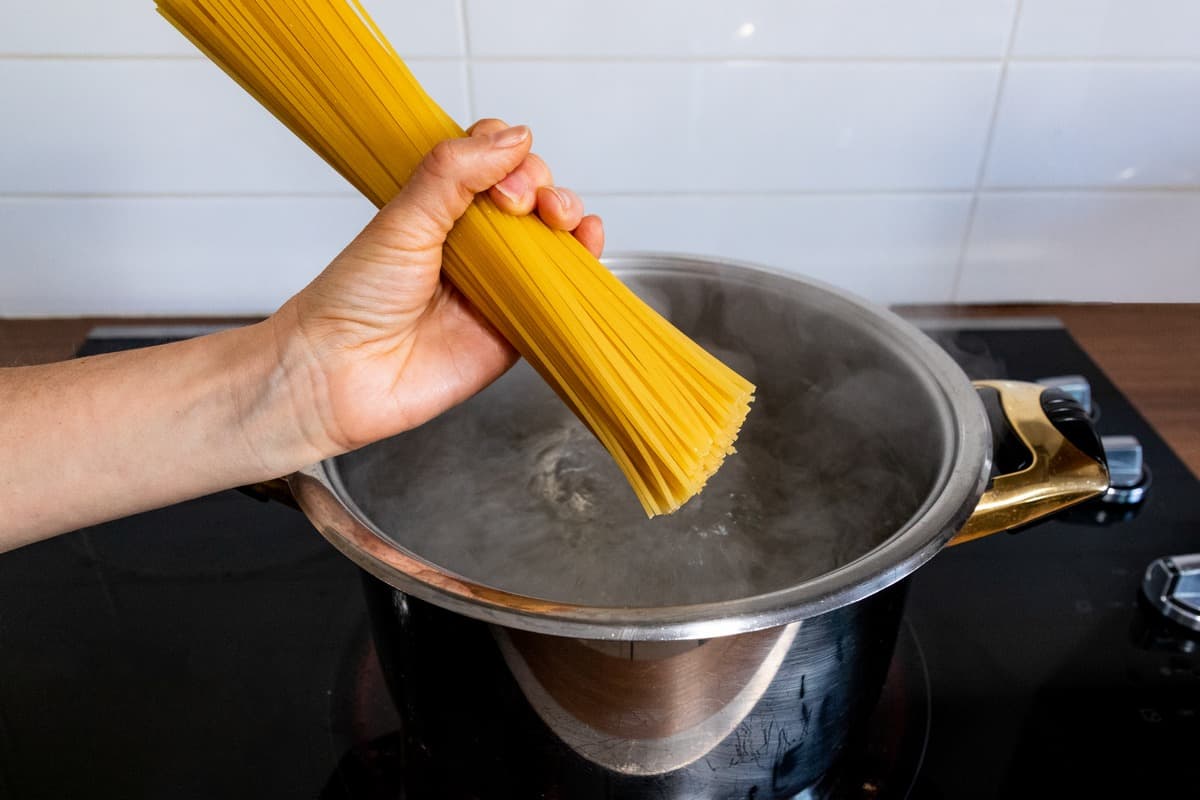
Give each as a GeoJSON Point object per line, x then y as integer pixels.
{"type": "Point", "coordinates": [971, 351]}
{"type": "Point", "coordinates": [511, 490]}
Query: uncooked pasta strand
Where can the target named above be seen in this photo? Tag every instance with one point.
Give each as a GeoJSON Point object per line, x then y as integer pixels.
{"type": "Point", "coordinates": [666, 409]}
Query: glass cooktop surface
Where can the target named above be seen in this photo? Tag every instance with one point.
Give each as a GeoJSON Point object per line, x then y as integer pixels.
{"type": "Point", "coordinates": [220, 648]}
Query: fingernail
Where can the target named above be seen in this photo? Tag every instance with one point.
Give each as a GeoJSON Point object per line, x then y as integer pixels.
{"type": "Point", "coordinates": [510, 137]}
{"type": "Point", "coordinates": [563, 197]}
{"type": "Point", "coordinates": [512, 187]}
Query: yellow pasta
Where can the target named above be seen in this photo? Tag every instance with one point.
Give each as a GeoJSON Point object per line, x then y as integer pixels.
{"type": "Point", "coordinates": [667, 410]}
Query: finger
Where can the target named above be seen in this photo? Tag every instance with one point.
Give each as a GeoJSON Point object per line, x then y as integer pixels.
{"type": "Point", "coordinates": [590, 233]}
{"type": "Point", "coordinates": [559, 208]}
{"type": "Point", "coordinates": [486, 127]}
{"type": "Point", "coordinates": [517, 193]}
{"type": "Point", "coordinates": [448, 179]}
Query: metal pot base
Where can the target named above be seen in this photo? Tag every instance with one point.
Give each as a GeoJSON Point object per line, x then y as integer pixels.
{"type": "Point", "coordinates": [469, 730]}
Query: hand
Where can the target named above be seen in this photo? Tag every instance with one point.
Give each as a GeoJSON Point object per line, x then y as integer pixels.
{"type": "Point", "coordinates": [380, 342]}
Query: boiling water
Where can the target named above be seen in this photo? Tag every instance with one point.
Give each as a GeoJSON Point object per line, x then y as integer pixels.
{"type": "Point", "coordinates": [512, 491]}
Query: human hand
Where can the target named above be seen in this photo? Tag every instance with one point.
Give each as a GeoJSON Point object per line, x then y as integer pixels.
{"type": "Point", "coordinates": [376, 344]}
{"type": "Point", "coordinates": [380, 342]}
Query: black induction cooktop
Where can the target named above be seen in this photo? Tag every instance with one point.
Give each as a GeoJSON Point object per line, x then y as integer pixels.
{"type": "Point", "coordinates": [220, 648]}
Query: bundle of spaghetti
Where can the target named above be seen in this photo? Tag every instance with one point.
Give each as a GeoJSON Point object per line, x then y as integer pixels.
{"type": "Point", "coordinates": [666, 410]}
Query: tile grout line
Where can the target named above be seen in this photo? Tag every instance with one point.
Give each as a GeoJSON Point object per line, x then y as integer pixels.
{"type": "Point", "coordinates": [464, 38]}
{"type": "Point", "coordinates": [1114, 191]}
{"type": "Point", "coordinates": [467, 58]}
{"type": "Point", "coordinates": [18, 196]}
{"type": "Point", "coordinates": [972, 210]}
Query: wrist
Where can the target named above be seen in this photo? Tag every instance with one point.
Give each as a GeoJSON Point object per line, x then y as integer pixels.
{"type": "Point", "coordinates": [282, 408]}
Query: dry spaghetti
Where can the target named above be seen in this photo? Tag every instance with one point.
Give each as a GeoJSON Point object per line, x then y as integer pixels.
{"type": "Point", "coordinates": [666, 409]}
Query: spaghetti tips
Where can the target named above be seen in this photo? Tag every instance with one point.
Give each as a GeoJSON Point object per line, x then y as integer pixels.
{"type": "Point", "coordinates": [665, 409]}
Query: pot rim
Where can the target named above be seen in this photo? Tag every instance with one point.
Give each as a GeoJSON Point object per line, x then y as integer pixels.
{"type": "Point", "coordinates": [963, 475]}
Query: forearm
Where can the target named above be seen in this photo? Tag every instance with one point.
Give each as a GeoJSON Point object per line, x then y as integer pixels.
{"type": "Point", "coordinates": [98, 438]}
{"type": "Point", "coordinates": [375, 345]}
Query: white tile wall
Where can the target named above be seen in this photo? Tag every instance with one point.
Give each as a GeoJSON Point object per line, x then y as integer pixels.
{"type": "Point", "coordinates": [1109, 29]}
{"type": "Point", "coordinates": [895, 248]}
{"type": "Point", "coordinates": [117, 126]}
{"type": "Point", "coordinates": [745, 127]}
{"type": "Point", "coordinates": [133, 255]}
{"type": "Point", "coordinates": [915, 150]}
{"type": "Point", "coordinates": [786, 29]}
{"type": "Point", "coordinates": [420, 28]}
{"type": "Point", "coordinates": [1084, 246]}
{"type": "Point", "coordinates": [87, 27]}
{"type": "Point", "coordinates": [417, 28]}
{"type": "Point", "coordinates": [1098, 125]}
{"type": "Point", "coordinates": [136, 126]}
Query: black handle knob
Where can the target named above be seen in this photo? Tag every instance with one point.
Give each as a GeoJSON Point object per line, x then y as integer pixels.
{"type": "Point", "coordinates": [1073, 422]}
{"type": "Point", "coordinates": [1009, 453]}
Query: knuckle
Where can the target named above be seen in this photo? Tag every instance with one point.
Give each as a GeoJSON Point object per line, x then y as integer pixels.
{"type": "Point", "coordinates": [444, 159]}
{"type": "Point", "coordinates": [536, 167]}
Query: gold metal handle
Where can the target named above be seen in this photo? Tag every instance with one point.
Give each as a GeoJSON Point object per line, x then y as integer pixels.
{"type": "Point", "coordinates": [1060, 475]}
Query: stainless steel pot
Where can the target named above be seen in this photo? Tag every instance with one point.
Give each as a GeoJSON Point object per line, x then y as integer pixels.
{"type": "Point", "coordinates": [543, 639]}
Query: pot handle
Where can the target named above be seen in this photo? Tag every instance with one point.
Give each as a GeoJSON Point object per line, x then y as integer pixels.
{"type": "Point", "coordinates": [1046, 456]}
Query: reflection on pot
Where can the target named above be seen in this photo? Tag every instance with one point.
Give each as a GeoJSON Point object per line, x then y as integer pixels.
{"type": "Point", "coordinates": [644, 708]}
{"type": "Point", "coordinates": [493, 712]}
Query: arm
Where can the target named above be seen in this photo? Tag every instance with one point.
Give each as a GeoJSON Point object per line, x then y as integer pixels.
{"type": "Point", "coordinates": [377, 344]}
{"type": "Point", "coordinates": [103, 437]}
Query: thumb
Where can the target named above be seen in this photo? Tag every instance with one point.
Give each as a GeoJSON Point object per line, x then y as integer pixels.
{"type": "Point", "coordinates": [447, 180]}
